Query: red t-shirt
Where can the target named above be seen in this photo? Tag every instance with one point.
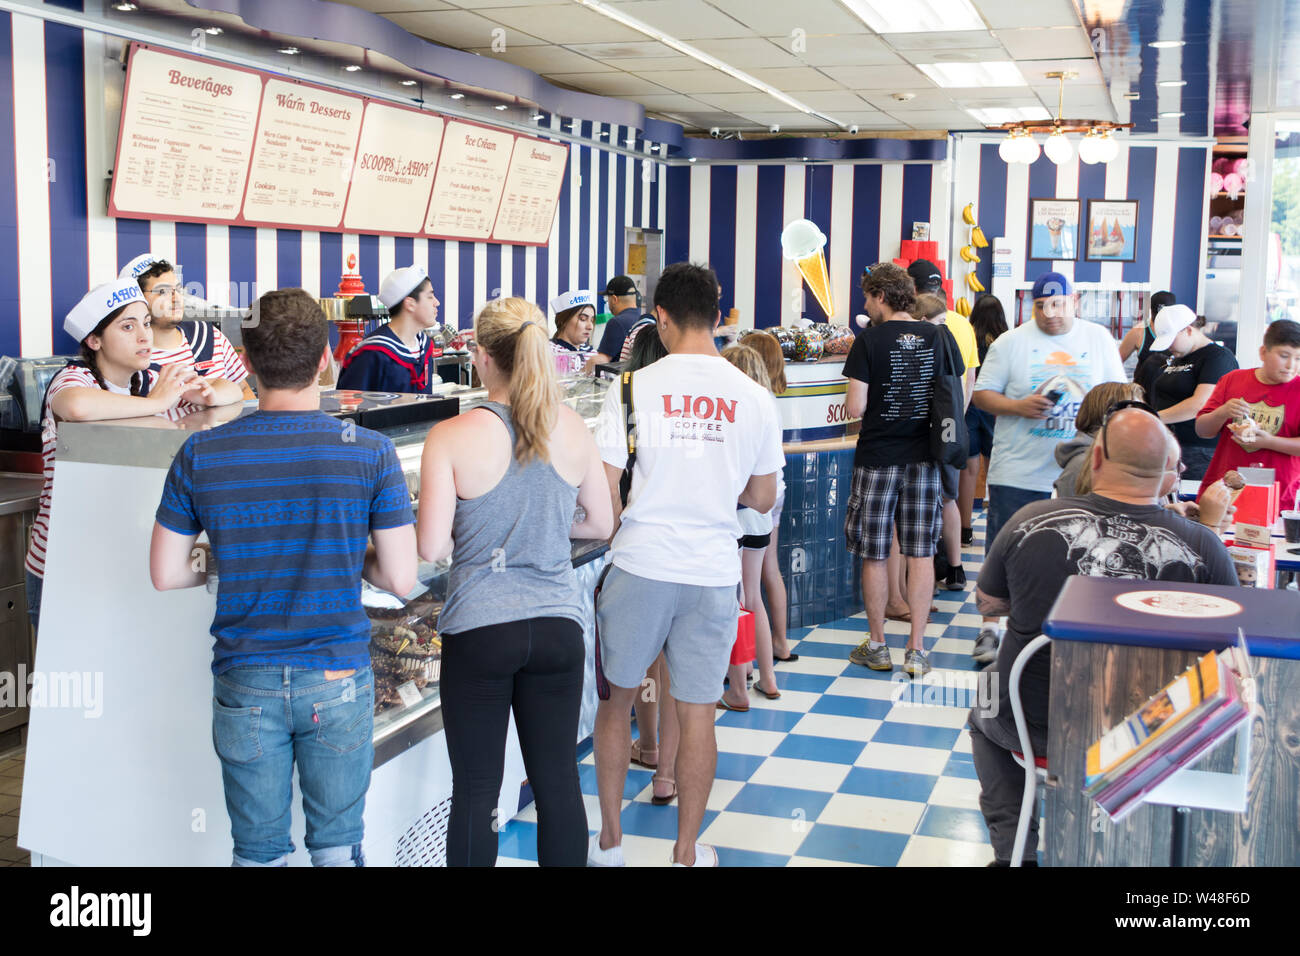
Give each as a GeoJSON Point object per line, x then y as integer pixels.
{"type": "Point", "coordinates": [1277, 410]}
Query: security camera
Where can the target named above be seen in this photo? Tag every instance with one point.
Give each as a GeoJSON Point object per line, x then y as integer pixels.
{"type": "Point", "coordinates": [774, 128]}
{"type": "Point", "coordinates": [715, 132]}
{"type": "Point", "coordinates": [853, 130]}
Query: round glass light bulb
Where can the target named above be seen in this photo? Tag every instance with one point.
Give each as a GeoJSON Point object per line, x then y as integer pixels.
{"type": "Point", "coordinates": [1009, 149]}
{"type": "Point", "coordinates": [1029, 150]}
{"type": "Point", "coordinates": [1058, 148]}
{"type": "Point", "coordinates": [1090, 149]}
{"type": "Point", "coordinates": [1109, 147]}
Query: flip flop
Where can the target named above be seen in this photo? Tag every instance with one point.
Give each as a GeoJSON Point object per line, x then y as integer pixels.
{"type": "Point", "coordinates": [906, 616]}
{"type": "Point", "coordinates": [784, 660]}
{"type": "Point", "coordinates": [723, 705]}
{"type": "Point", "coordinates": [775, 696]}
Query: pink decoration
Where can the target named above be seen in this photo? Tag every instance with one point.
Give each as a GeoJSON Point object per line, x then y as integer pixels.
{"type": "Point", "coordinates": [1216, 183]}
{"type": "Point", "coordinates": [1240, 167]}
{"type": "Point", "coordinates": [1233, 184]}
{"type": "Point", "coordinates": [1222, 166]}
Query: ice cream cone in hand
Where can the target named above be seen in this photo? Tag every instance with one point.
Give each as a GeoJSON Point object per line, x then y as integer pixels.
{"type": "Point", "coordinates": [1235, 485]}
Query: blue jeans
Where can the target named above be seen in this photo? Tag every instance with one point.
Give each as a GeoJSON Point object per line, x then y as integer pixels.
{"type": "Point", "coordinates": [1005, 501]}
{"type": "Point", "coordinates": [34, 587]}
{"type": "Point", "coordinates": [266, 717]}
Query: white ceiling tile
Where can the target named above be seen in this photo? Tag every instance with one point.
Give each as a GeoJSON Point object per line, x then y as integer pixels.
{"type": "Point", "coordinates": [459, 28]}
{"type": "Point", "coordinates": [1039, 43]}
{"type": "Point", "coordinates": [705, 81]}
{"type": "Point", "coordinates": [862, 50]}
{"type": "Point", "coordinates": [609, 84]}
{"type": "Point", "coordinates": [931, 99]}
{"type": "Point", "coordinates": [899, 77]}
{"type": "Point", "coordinates": [994, 96]}
{"type": "Point", "coordinates": [750, 53]}
{"type": "Point", "coordinates": [1035, 72]}
{"type": "Point", "coordinates": [796, 80]}
{"type": "Point", "coordinates": [870, 120]}
{"type": "Point", "coordinates": [778, 18]}
{"type": "Point", "coordinates": [834, 101]}
{"type": "Point", "coordinates": [937, 119]}
{"type": "Point", "coordinates": [1003, 14]}
{"type": "Point", "coordinates": [787, 120]}
{"type": "Point", "coordinates": [960, 40]}
{"type": "Point", "coordinates": [738, 102]}
{"type": "Point", "coordinates": [654, 65]}
{"type": "Point", "coordinates": [400, 6]}
{"type": "Point", "coordinates": [645, 49]}
{"type": "Point", "coordinates": [684, 19]}
{"type": "Point", "coordinates": [706, 118]}
{"type": "Point", "coordinates": [670, 102]}
{"type": "Point", "coordinates": [564, 24]}
{"type": "Point", "coordinates": [547, 59]}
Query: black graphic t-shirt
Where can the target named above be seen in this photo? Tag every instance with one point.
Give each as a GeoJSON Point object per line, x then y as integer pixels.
{"type": "Point", "coordinates": [899, 360]}
{"type": "Point", "coordinates": [1047, 541]}
{"type": "Point", "coordinates": [1169, 380]}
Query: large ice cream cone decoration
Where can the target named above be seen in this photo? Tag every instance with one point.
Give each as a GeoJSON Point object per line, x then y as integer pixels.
{"type": "Point", "coordinates": [804, 244]}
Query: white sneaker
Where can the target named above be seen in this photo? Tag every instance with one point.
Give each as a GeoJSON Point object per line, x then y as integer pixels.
{"type": "Point", "coordinates": [704, 856]}
{"type": "Point", "coordinates": [598, 857]}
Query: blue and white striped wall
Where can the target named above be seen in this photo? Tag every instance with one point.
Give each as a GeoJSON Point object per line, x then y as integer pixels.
{"type": "Point", "coordinates": [1170, 181]}
{"type": "Point", "coordinates": [56, 239]}
{"type": "Point", "coordinates": [731, 216]}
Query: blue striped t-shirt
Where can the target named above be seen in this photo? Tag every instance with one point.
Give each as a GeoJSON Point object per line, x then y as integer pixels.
{"type": "Point", "coordinates": [288, 500]}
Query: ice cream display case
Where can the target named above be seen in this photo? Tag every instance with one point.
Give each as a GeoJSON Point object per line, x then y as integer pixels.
{"type": "Point", "coordinates": [123, 771]}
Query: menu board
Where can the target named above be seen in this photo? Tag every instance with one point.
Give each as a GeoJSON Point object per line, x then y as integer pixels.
{"type": "Point", "coordinates": [202, 142]}
{"type": "Point", "coordinates": [302, 160]}
{"type": "Point", "coordinates": [396, 162]}
{"type": "Point", "coordinates": [187, 131]}
{"type": "Point", "coordinates": [532, 191]}
{"type": "Point", "coordinates": [471, 175]}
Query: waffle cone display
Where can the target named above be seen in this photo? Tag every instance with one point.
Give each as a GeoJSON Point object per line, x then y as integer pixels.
{"type": "Point", "coordinates": [813, 270]}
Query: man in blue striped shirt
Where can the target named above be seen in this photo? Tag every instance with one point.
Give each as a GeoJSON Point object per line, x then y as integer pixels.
{"type": "Point", "coordinates": [288, 497]}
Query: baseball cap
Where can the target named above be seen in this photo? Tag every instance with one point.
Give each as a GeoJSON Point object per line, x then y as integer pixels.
{"type": "Point", "coordinates": [925, 275]}
{"type": "Point", "coordinates": [400, 283]}
{"type": "Point", "coordinates": [99, 302]}
{"type": "Point", "coordinates": [1171, 320]}
{"type": "Point", "coordinates": [1051, 284]}
{"type": "Point", "coordinates": [138, 265]}
{"type": "Point", "coordinates": [620, 285]}
{"type": "Point", "coordinates": [572, 300]}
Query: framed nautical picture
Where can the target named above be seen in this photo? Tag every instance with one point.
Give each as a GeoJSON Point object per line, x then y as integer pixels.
{"type": "Point", "coordinates": [1112, 230]}
{"type": "Point", "coordinates": [1054, 229]}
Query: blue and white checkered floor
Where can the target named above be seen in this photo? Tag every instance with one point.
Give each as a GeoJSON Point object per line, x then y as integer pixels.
{"type": "Point", "coordinates": [845, 769]}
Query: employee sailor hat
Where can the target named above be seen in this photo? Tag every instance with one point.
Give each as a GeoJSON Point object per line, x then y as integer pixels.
{"type": "Point", "coordinates": [400, 283]}
{"type": "Point", "coordinates": [138, 265]}
{"type": "Point", "coordinates": [572, 300]}
{"type": "Point", "coordinates": [1171, 320]}
{"type": "Point", "coordinates": [99, 302]}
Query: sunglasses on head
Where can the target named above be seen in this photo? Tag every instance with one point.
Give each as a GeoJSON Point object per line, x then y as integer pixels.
{"type": "Point", "coordinates": [1118, 407]}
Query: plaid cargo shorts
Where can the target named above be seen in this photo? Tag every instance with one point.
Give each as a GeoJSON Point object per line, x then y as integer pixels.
{"type": "Point", "coordinates": [908, 495]}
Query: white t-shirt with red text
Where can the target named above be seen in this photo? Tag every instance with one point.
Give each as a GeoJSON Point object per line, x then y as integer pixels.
{"type": "Point", "coordinates": [703, 429]}
{"type": "Point", "coordinates": [225, 362]}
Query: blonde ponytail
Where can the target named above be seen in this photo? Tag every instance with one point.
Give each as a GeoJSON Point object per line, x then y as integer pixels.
{"type": "Point", "coordinates": [513, 331]}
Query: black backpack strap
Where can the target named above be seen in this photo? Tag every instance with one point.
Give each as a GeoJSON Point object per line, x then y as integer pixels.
{"type": "Point", "coordinates": [629, 419]}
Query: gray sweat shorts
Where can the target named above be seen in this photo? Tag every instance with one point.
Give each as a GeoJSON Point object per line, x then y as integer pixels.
{"type": "Point", "coordinates": [694, 626]}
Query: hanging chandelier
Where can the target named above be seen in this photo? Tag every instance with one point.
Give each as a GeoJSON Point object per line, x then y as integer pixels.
{"type": "Point", "coordinates": [1096, 146]}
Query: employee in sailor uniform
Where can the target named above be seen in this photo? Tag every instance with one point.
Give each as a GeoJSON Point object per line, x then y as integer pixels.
{"type": "Point", "coordinates": [200, 346]}
{"type": "Point", "coordinates": [396, 357]}
{"type": "Point", "coordinates": [575, 319]}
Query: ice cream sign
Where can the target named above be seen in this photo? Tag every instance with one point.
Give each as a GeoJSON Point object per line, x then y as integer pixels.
{"type": "Point", "coordinates": [804, 244]}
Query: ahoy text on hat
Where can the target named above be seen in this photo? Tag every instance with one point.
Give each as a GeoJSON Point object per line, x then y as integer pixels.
{"type": "Point", "coordinates": [98, 302]}
{"type": "Point", "coordinates": [572, 300]}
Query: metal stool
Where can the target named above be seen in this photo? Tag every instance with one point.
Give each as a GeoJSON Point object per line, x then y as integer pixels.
{"type": "Point", "coordinates": [1035, 767]}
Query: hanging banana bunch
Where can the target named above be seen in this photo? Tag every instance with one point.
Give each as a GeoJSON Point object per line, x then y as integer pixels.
{"type": "Point", "coordinates": [968, 254]}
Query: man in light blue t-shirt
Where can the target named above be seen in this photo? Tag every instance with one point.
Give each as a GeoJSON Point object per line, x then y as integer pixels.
{"type": "Point", "coordinates": [1033, 380]}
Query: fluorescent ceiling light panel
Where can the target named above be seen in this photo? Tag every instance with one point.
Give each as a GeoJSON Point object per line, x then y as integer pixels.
{"type": "Point", "coordinates": [989, 73]}
{"type": "Point", "coordinates": [916, 16]}
{"type": "Point", "coordinates": [996, 116]}
{"type": "Point", "coordinates": [632, 23]}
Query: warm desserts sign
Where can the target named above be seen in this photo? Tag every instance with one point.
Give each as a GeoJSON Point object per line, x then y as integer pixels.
{"type": "Point", "coordinates": [201, 142]}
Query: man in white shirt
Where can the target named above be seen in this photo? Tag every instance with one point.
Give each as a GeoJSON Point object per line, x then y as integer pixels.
{"type": "Point", "coordinates": [1033, 379]}
{"type": "Point", "coordinates": [707, 440]}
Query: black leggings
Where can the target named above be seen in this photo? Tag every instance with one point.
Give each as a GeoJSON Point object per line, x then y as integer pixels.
{"type": "Point", "coordinates": [536, 667]}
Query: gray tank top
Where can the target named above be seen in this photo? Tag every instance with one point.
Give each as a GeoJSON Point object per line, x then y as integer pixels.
{"type": "Point", "coordinates": [512, 557]}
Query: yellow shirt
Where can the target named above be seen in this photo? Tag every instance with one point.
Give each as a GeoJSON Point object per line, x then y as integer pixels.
{"type": "Point", "coordinates": [961, 330]}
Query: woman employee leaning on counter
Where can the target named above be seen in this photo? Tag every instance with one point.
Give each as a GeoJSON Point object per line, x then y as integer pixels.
{"type": "Point", "coordinates": [111, 378]}
{"type": "Point", "coordinates": [502, 482]}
